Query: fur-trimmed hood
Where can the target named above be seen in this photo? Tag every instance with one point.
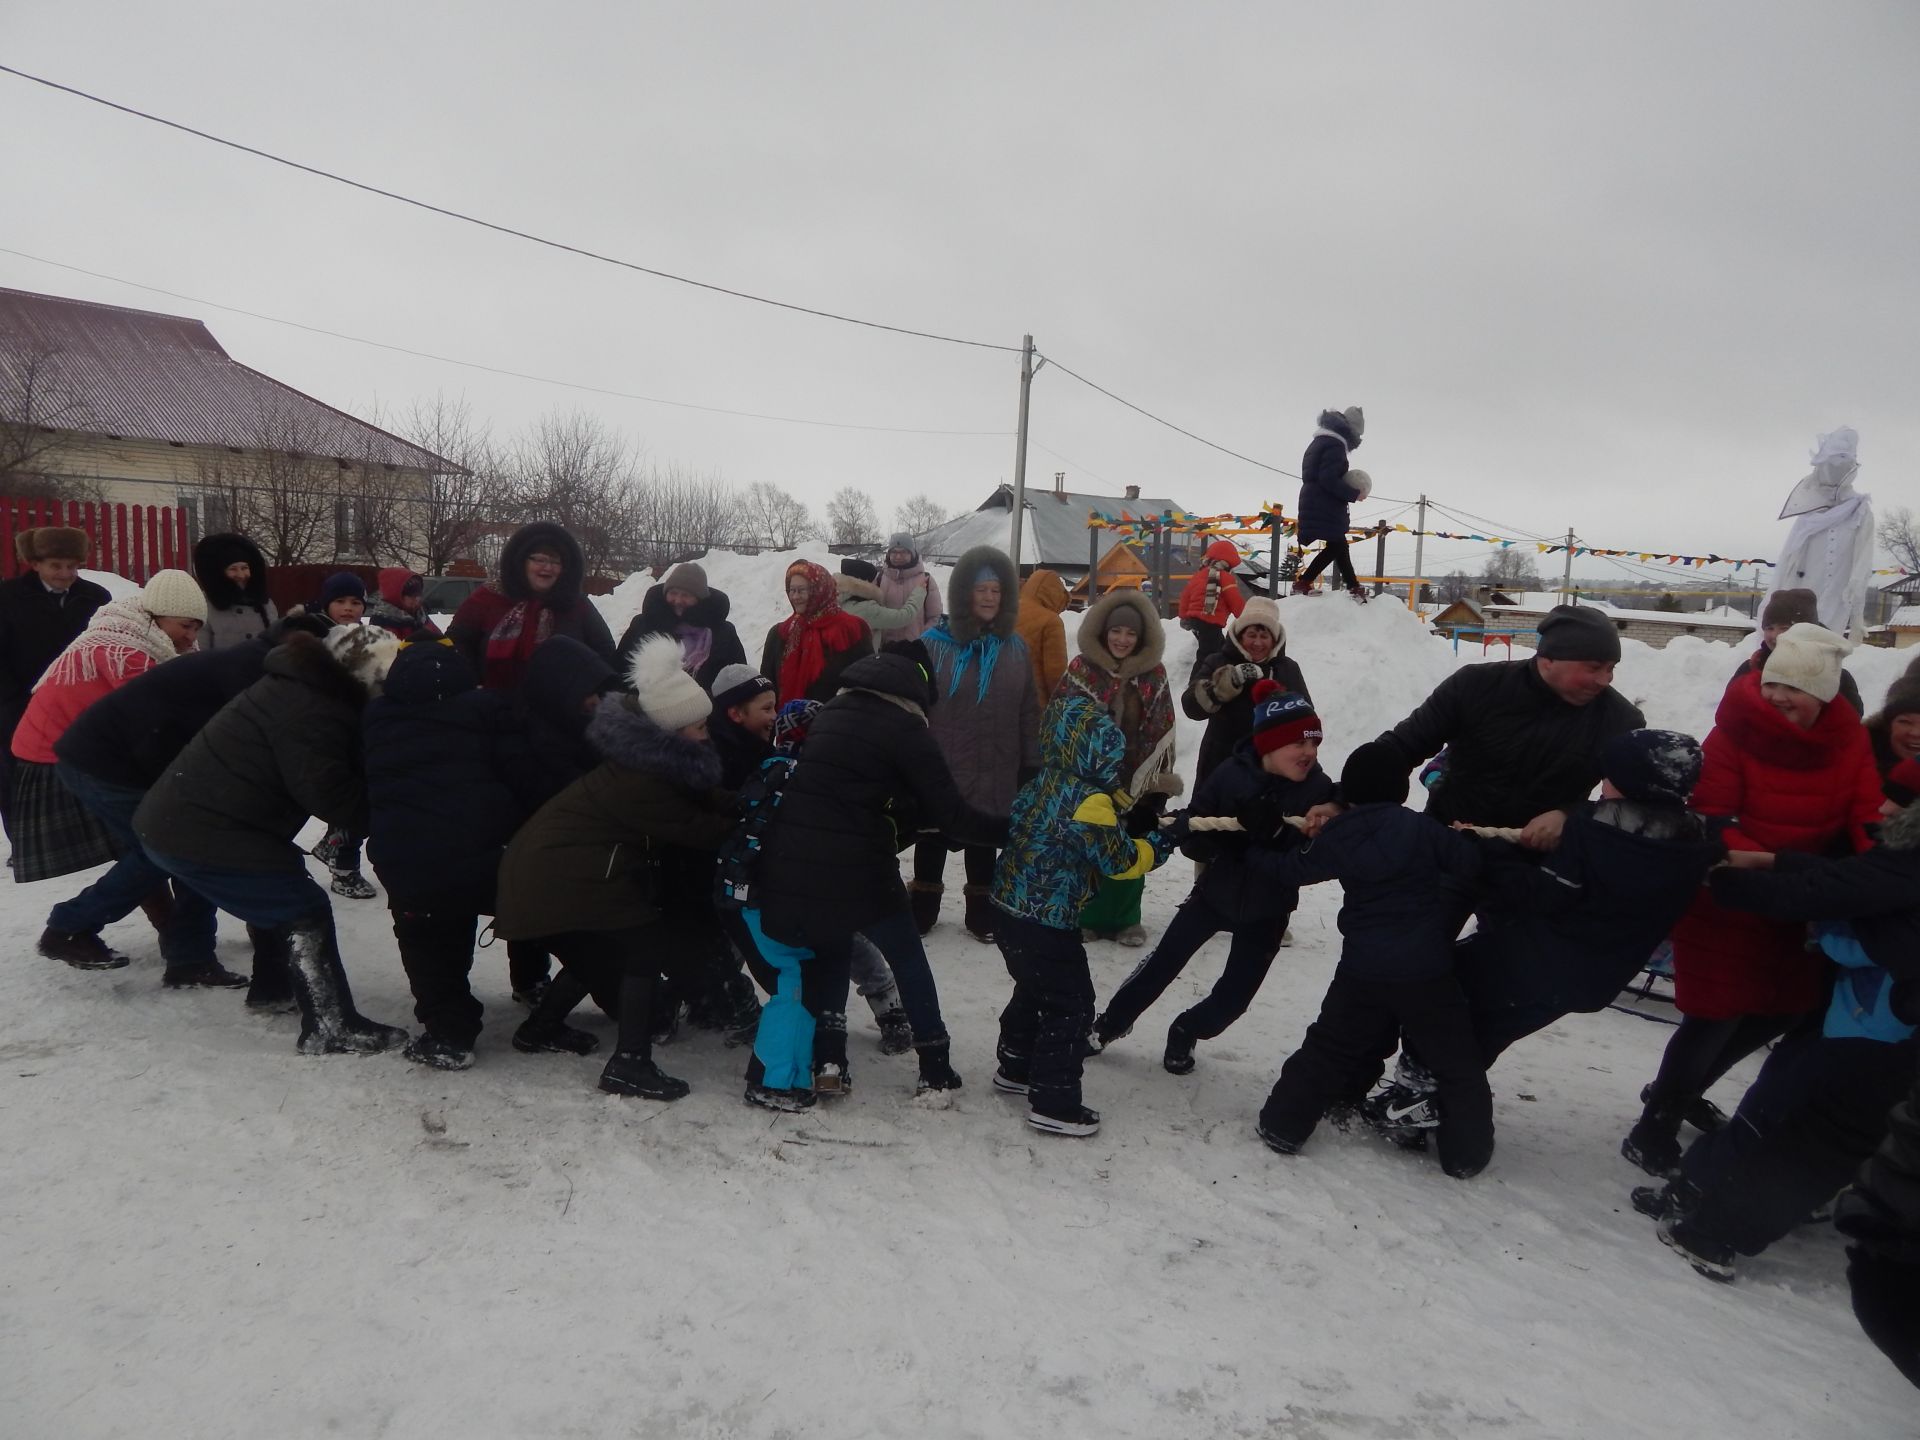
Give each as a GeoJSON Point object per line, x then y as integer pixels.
{"type": "Point", "coordinates": [522, 543]}
{"type": "Point", "coordinates": [960, 622]}
{"type": "Point", "coordinates": [625, 737]}
{"type": "Point", "coordinates": [307, 660]}
{"type": "Point", "coordinates": [1093, 630]}
{"type": "Point", "coordinates": [213, 555]}
{"type": "Point", "coordinates": [1901, 830]}
{"type": "Point", "coordinates": [1332, 422]}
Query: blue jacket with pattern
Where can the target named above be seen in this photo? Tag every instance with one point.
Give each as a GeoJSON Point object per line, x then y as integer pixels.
{"type": "Point", "coordinates": [1065, 831]}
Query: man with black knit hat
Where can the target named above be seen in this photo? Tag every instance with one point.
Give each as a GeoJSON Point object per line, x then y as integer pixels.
{"type": "Point", "coordinates": [1523, 737]}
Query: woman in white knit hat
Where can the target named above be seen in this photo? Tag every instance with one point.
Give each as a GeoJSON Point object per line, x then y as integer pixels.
{"type": "Point", "coordinates": [56, 833]}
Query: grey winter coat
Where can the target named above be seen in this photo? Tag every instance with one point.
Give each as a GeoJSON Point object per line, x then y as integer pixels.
{"type": "Point", "coordinates": [986, 716]}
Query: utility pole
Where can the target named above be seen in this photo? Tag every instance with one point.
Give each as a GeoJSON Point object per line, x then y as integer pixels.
{"type": "Point", "coordinates": [1419, 554]}
{"type": "Point", "coordinates": [1027, 372]}
{"type": "Point", "coordinates": [1566, 575]}
{"type": "Point", "coordinates": [1380, 557]}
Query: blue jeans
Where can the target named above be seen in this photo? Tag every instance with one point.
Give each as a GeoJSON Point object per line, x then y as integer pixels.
{"type": "Point", "coordinates": [187, 939]}
{"type": "Point", "coordinates": [271, 899]}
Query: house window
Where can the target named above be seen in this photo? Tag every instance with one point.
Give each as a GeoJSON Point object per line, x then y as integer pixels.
{"type": "Point", "coordinates": [352, 534]}
{"type": "Point", "coordinates": [208, 514]}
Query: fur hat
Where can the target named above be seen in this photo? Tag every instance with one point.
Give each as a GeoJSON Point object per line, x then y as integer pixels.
{"type": "Point", "coordinates": [1655, 767]}
{"type": "Point", "coordinates": [1374, 775]}
{"type": "Point", "coordinates": [1791, 607]}
{"type": "Point", "coordinates": [1264, 613]}
{"type": "Point", "coordinates": [687, 576]}
{"type": "Point", "coordinates": [1902, 785]}
{"type": "Point", "coordinates": [737, 684]}
{"type": "Point", "coordinates": [1577, 632]}
{"type": "Point", "coordinates": [1808, 658]}
{"type": "Point", "coordinates": [662, 691]}
{"type": "Point", "coordinates": [51, 542]}
{"type": "Point", "coordinates": [365, 651]}
{"type": "Point", "coordinates": [174, 594]}
{"type": "Point", "coordinates": [341, 585]}
{"type": "Point", "coordinates": [1282, 717]}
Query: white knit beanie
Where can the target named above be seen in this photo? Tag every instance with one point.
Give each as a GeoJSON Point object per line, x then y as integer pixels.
{"type": "Point", "coordinates": [666, 694]}
{"type": "Point", "coordinates": [174, 594]}
{"type": "Point", "coordinates": [1807, 657]}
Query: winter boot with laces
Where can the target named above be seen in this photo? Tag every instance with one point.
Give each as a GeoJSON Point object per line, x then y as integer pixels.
{"type": "Point", "coordinates": [82, 951]}
{"type": "Point", "coordinates": [1708, 1257]}
{"type": "Point", "coordinates": [979, 916]}
{"type": "Point", "coordinates": [545, 1031]}
{"type": "Point", "coordinates": [632, 1072]}
{"type": "Point", "coordinates": [209, 974]}
{"type": "Point", "coordinates": [353, 885]}
{"type": "Point", "coordinates": [923, 896]}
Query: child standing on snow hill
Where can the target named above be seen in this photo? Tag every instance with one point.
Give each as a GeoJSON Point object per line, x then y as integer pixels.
{"type": "Point", "coordinates": [1274, 774]}
{"type": "Point", "coordinates": [1064, 836]}
{"type": "Point", "coordinates": [1328, 490]}
{"type": "Point", "coordinates": [1212, 596]}
{"type": "Point", "coordinates": [1403, 875]}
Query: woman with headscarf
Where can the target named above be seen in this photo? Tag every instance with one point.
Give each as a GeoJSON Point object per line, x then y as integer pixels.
{"type": "Point", "coordinates": [806, 652]}
{"type": "Point", "coordinates": [1121, 643]}
{"type": "Point", "coordinates": [986, 721]}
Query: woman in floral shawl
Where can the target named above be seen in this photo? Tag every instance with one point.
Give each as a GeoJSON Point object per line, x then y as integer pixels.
{"type": "Point", "coordinates": [806, 652]}
{"type": "Point", "coordinates": [1121, 643]}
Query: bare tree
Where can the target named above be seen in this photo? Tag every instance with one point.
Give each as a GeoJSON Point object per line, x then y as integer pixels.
{"type": "Point", "coordinates": [773, 517]}
{"type": "Point", "coordinates": [572, 470]}
{"type": "Point", "coordinates": [1510, 569]}
{"type": "Point", "coordinates": [918, 514]}
{"type": "Point", "coordinates": [1455, 585]}
{"type": "Point", "coordinates": [443, 515]}
{"type": "Point", "coordinates": [851, 518]}
{"type": "Point", "coordinates": [37, 403]}
{"type": "Point", "coordinates": [678, 515]}
{"type": "Point", "coordinates": [1899, 533]}
{"type": "Point", "coordinates": [278, 490]}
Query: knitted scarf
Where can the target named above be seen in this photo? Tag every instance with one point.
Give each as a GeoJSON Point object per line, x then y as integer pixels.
{"type": "Point", "coordinates": [117, 631]}
{"type": "Point", "coordinates": [1213, 588]}
{"type": "Point", "coordinates": [819, 629]}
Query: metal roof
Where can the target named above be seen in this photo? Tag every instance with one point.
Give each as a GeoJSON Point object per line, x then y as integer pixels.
{"type": "Point", "coordinates": [1055, 531]}
{"type": "Point", "coordinates": [141, 375]}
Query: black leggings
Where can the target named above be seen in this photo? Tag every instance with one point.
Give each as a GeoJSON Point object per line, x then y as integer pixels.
{"type": "Point", "coordinates": [1701, 1051]}
{"type": "Point", "coordinates": [1334, 553]}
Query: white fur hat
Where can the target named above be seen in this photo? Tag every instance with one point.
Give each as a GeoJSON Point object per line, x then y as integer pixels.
{"type": "Point", "coordinates": [366, 651]}
{"type": "Point", "coordinates": [173, 594]}
{"type": "Point", "coordinates": [666, 694]}
{"type": "Point", "coordinates": [1807, 657]}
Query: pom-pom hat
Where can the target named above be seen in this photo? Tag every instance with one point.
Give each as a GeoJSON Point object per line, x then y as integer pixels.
{"type": "Point", "coordinates": [1282, 717]}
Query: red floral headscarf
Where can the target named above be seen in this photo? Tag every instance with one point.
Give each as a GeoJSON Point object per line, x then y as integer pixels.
{"type": "Point", "coordinates": [817, 630]}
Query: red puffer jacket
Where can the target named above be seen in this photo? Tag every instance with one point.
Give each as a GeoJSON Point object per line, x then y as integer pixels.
{"type": "Point", "coordinates": [1785, 789]}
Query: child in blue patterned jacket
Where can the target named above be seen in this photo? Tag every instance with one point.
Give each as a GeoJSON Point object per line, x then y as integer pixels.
{"type": "Point", "coordinates": [1067, 831]}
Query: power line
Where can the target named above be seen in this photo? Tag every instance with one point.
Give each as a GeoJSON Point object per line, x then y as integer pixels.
{"type": "Point", "coordinates": [493, 225]}
{"type": "Point", "coordinates": [489, 369]}
{"type": "Point", "coordinates": [1159, 420]}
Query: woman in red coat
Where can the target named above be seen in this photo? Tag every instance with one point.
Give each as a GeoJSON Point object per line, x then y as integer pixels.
{"type": "Point", "coordinates": [1786, 769]}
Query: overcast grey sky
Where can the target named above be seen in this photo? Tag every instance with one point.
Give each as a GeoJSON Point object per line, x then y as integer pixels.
{"type": "Point", "coordinates": [1609, 265]}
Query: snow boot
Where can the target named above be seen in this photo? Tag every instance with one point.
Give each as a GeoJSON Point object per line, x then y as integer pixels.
{"type": "Point", "coordinates": [430, 1050]}
{"type": "Point", "coordinates": [1103, 1034]}
{"type": "Point", "coordinates": [1303, 587]}
{"type": "Point", "coordinates": [1179, 1057]}
{"type": "Point", "coordinates": [1711, 1258]}
{"type": "Point", "coordinates": [789, 1102]}
{"type": "Point", "coordinates": [1358, 594]}
{"type": "Point", "coordinates": [329, 1025]}
{"type": "Point", "coordinates": [1078, 1121]}
{"type": "Point", "coordinates": [979, 917]}
{"type": "Point", "coordinates": [1008, 1084]}
{"type": "Point", "coordinates": [271, 991]}
{"type": "Point", "coordinates": [1674, 1200]}
{"type": "Point", "coordinates": [208, 974]}
{"type": "Point", "coordinates": [936, 1071]}
{"type": "Point", "coordinates": [896, 1034]}
{"type": "Point", "coordinates": [545, 1031]}
{"type": "Point", "coordinates": [632, 1072]}
{"type": "Point", "coordinates": [1275, 1141]}
{"type": "Point", "coordinates": [924, 898]}
{"type": "Point", "coordinates": [832, 1079]}
{"type": "Point", "coordinates": [1133, 936]}
{"type": "Point", "coordinates": [327, 852]}
{"type": "Point", "coordinates": [1654, 1142]}
{"type": "Point", "coordinates": [82, 952]}
{"type": "Point", "coordinates": [1700, 1112]}
{"type": "Point", "coordinates": [353, 885]}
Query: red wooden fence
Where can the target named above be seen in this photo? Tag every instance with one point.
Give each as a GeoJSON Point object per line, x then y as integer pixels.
{"type": "Point", "coordinates": [129, 540]}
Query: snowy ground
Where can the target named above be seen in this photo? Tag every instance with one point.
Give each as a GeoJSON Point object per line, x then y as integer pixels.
{"type": "Point", "coordinates": [210, 1236]}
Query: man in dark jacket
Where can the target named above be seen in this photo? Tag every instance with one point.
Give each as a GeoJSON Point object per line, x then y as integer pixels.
{"type": "Point", "coordinates": [41, 613]}
{"type": "Point", "coordinates": [1276, 773]}
{"type": "Point", "coordinates": [447, 786]}
{"type": "Point", "coordinates": [1328, 489]}
{"type": "Point", "coordinates": [540, 594]}
{"type": "Point", "coordinates": [224, 816]}
{"type": "Point", "coordinates": [1403, 876]}
{"type": "Point", "coordinates": [1220, 685]}
{"type": "Point", "coordinates": [870, 777]}
{"type": "Point", "coordinates": [1523, 737]}
{"type": "Point", "coordinates": [684, 606]}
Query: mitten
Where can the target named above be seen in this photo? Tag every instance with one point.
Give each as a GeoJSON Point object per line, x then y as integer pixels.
{"type": "Point", "coordinates": [1144, 817]}
{"type": "Point", "coordinates": [1227, 682]}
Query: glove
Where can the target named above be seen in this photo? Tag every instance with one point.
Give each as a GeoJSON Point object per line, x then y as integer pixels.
{"type": "Point", "coordinates": [1175, 831]}
{"type": "Point", "coordinates": [1144, 817]}
{"type": "Point", "coordinates": [1886, 1302]}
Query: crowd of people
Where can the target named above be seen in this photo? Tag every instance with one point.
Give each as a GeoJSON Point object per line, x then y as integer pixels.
{"type": "Point", "coordinates": [677, 837]}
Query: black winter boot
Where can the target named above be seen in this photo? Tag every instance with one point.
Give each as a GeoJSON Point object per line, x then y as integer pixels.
{"type": "Point", "coordinates": [1654, 1142]}
{"type": "Point", "coordinates": [546, 1031]}
{"type": "Point", "coordinates": [924, 897]}
{"type": "Point", "coordinates": [271, 991]}
{"type": "Point", "coordinates": [1179, 1057]}
{"type": "Point", "coordinates": [936, 1072]}
{"type": "Point", "coordinates": [329, 1025]}
{"type": "Point", "coordinates": [630, 1070]}
{"type": "Point", "coordinates": [83, 952]}
{"type": "Point", "coordinates": [980, 913]}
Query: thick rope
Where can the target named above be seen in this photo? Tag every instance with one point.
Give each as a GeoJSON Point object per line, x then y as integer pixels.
{"type": "Point", "coordinates": [1200, 824]}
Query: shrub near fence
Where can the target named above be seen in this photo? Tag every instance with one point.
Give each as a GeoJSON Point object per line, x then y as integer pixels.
{"type": "Point", "coordinates": [127, 540]}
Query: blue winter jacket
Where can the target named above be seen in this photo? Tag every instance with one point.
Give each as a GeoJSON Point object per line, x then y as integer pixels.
{"type": "Point", "coordinates": [1407, 880]}
{"type": "Point", "coordinates": [1862, 1003]}
{"type": "Point", "coordinates": [1325, 495]}
{"type": "Point", "coordinates": [1241, 881]}
{"type": "Point", "coordinates": [1065, 833]}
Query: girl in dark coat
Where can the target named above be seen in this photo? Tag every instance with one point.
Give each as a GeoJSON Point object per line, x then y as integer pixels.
{"type": "Point", "coordinates": [539, 594]}
{"type": "Point", "coordinates": [224, 816]}
{"type": "Point", "coordinates": [806, 652]}
{"type": "Point", "coordinates": [1220, 685]}
{"type": "Point", "coordinates": [581, 876]}
{"type": "Point", "coordinates": [233, 573]}
{"type": "Point", "coordinates": [869, 777]}
{"type": "Point", "coordinates": [1327, 489]}
{"type": "Point", "coordinates": [684, 606]}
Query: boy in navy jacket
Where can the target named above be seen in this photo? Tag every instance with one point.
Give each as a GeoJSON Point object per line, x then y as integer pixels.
{"type": "Point", "coordinates": [1274, 773]}
{"type": "Point", "coordinates": [1404, 877]}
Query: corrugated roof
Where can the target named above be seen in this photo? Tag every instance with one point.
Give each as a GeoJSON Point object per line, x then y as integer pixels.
{"type": "Point", "coordinates": [141, 375]}
{"type": "Point", "coordinates": [1055, 531]}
